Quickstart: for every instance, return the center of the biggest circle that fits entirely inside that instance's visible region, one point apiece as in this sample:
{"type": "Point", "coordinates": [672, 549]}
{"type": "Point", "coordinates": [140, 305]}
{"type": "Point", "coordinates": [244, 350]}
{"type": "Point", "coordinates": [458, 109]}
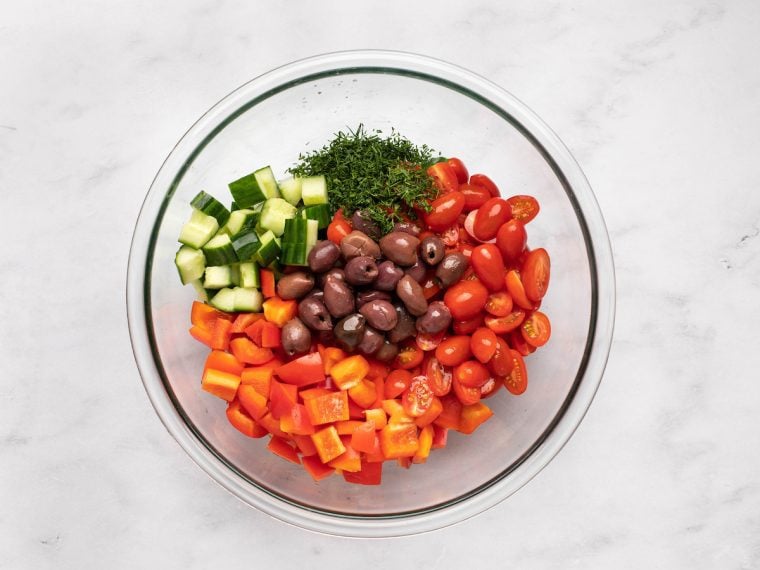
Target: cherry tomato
{"type": "Point", "coordinates": [450, 237]}
{"type": "Point", "coordinates": [445, 211]}
{"type": "Point", "coordinates": [483, 344]}
{"type": "Point", "coordinates": [453, 350]}
{"type": "Point", "coordinates": [465, 394]}
{"type": "Point", "coordinates": [471, 374]}
{"type": "Point", "coordinates": [499, 304]}
{"type": "Point", "coordinates": [517, 342]}
{"type": "Point", "coordinates": [468, 326]}
{"type": "Point", "coordinates": [465, 299]}
{"type": "Point", "coordinates": [491, 387]}
{"type": "Point", "coordinates": [474, 196]}
{"type": "Point", "coordinates": [536, 329]}
{"type": "Point", "coordinates": [396, 382]}
{"type": "Point", "coordinates": [502, 362]}
{"type": "Point", "coordinates": [466, 249]}
{"type": "Point", "coordinates": [439, 377]}
{"type": "Point", "coordinates": [485, 182]}
{"type": "Point", "coordinates": [408, 357]}
{"type": "Point", "coordinates": [429, 341]}
{"type": "Point", "coordinates": [516, 289]}
{"type": "Point", "coordinates": [430, 287]}
{"type": "Point", "coordinates": [445, 177]}
{"type": "Point", "coordinates": [418, 397]}
{"type": "Point", "coordinates": [503, 325]}
{"type": "Point", "coordinates": [488, 266]}
{"type": "Point", "coordinates": [535, 274]}
{"type": "Point", "coordinates": [511, 239]}
{"type": "Point", "coordinates": [517, 381]}
{"type": "Point", "coordinates": [524, 208]}
{"type": "Point", "coordinates": [459, 169]}
{"type": "Point", "coordinates": [489, 218]}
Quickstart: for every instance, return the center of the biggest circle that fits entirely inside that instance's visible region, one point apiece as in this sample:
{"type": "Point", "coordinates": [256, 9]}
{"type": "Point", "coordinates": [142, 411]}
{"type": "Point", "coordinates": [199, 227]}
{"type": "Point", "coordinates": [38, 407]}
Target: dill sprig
{"type": "Point", "coordinates": [384, 177]}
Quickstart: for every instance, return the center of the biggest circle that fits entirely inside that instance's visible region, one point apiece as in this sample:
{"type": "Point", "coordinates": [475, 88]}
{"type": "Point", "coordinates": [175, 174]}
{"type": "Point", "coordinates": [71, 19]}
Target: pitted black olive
{"type": "Point", "coordinates": [323, 256]}
{"type": "Point", "coordinates": [432, 250]}
{"type": "Point", "coordinates": [400, 248]}
{"type": "Point", "coordinates": [361, 270]}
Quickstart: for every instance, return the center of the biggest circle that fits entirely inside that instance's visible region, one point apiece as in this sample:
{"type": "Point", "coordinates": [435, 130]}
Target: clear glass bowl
{"type": "Point", "coordinates": [299, 107]}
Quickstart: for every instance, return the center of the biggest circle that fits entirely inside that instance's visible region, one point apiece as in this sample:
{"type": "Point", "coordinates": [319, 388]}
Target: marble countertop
{"type": "Point", "coordinates": [659, 102]}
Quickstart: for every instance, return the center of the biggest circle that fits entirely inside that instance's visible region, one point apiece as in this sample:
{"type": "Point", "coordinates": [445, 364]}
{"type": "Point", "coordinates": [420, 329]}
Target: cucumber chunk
{"type": "Point", "coordinates": [246, 191]}
{"type": "Point", "coordinates": [290, 188]}
{"type": "Point", "coordinates": [217, 277]}
{"type": "Point", "coordinates": [246, 245]}
{"type": "Point", "coordinates": [240, 221]}
{"type": "Point", "coordinates": [210, 206]}
{"type": "Point", "coordinates": [219, 251]}
{"type": "Point", "coordinates": [274, 213]}
{"type": "Point", "coordinates": [319, 212]}
{"type": "Point", "coordinates": [224, 300]}
{"type": "Point", "coordinates": [268, 250]}
{"type": "Point", "coordinates": [248, 299]}
{"type": "Point", "coordinates": [198, 230]}
{"type": "Point", "coordinates": [314, 190]}
{"type": "Point", "coordinates": [249, 274]}
{"type": "Point", "coordinates": [267, 182]}
{"type": "Point", "coordinates": [190, 263]}
{"type": "Point", "coordinates": [200, 290]}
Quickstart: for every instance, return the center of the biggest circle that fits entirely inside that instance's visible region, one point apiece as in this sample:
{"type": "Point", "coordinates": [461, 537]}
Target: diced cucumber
{"type": "Point", "coordinates": [274, 213]}
{"type": "Point", "coordinates": [219, 251]}
{"type": "Point", "coordinates": [246, 191]}
{"type": "Point", "coordinates": [210, 206]}
{"type": "Point", "coordinates": [314, 190]}
{"type": "Point", "coordinates": [246, 244]}
{"type": "Point", "coordinates": [224, 300]}
{"type": "Point", "coordinates": [198, 230]}
{"type": "Point", "coordinates": [249, 274]}
{"type": "Point", "coordinates": [248, 299]}
{"type": "Point", "coordinates": [200, 290]}
{"type": "Point", "coordinates": [218, 276]}
{"type": "Point", "coordinates": [235, 273]}
{"type": "Point", "coordinates": [293, 253]}
{"type": "Point", "coordinates": [312, 233]}
{"type": "Point", "coordinates": [234, 207]}
{"type": "Point", "coordinates": [295, 230]}
{"type": "Point", "coordinates": [267, 182]}
{"type": "Point", "coordinates": [290, 188]}
{"type": "Point", "coordinates": [240, 220]}
{"type": "Point", "coordinates": [190, 263]}
{"type": "Point", "coordinates": [268, 250]}
{"type": "Point", "coordinates": [319, 212]}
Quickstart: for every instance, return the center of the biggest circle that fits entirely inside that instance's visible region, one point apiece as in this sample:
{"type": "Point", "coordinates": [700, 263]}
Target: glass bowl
{"type": "Point", "coordinates": [296, 108]}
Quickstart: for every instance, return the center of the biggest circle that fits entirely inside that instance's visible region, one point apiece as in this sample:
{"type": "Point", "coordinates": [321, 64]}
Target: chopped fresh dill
{"type": "Point", "coordinates": [384, 177]}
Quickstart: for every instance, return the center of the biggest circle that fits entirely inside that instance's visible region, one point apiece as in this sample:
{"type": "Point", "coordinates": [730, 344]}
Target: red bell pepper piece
{"type": "Point", "coordinates": [224, 361]}
{"type": "Point", "coordinates": [363, 438]}
{"type": "Point", "coordinates": [254, 331]}
{"type": "Point", "coordinates": [296, 421]}
{"type": "Point", "coordinates": [328, 444]}
{"type": "Point", "coordinates": [282, 397]}
{"type": "Point", "coordinates": [305, 445]}
{"type": "Point", "coordinates": [280, 311]}
{"type": "Point", "coordinates": [221, 384]}
{"type": "Point", "coordinates": [281, 447]}
{"type": "Point", "coordinates": [316, 468]}
{"type": "Point", "coordinates": [246, 351]}
{"type": "Point", "coordinates": [349, 460]}
{"type": "Point", "coordinates": [472, 416]}
{"type": "Point", "coordinates": [202, 335]}
{"type": "Point", "coordinates": [329, 408]}
{"type": "Point", "coordinates": [204, 316]}
{"type": "Point", "coordinates": [242, 421]}
{"type": "Point", "coordinates": [302, 371]}
{"type": "Point", "coordinates": [244, 320]}
{"type": "Point", "coordinates": [220, 337]}
{"type": "Point", "coordinates": [270, 335]}
{"type": "Point", "coordinates": [370, 474]}
{"type": "Point", "coordinates": [267, 283]}
{"type": "Point", "coordinates": [364, 394]}
{"type": "Point", "coordinates": [440, 437]}
{"type": "Point", "coordinates": [259, 377]}
{"type": "Point", "coordinates": [253, 402]}
{"type": "Point", "coordinates": [399, 440]}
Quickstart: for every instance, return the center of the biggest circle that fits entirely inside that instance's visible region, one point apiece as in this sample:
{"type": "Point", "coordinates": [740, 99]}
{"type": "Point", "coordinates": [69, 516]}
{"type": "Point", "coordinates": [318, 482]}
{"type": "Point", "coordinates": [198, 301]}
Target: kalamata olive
{"type": "Point", "coordinates": [387, 276]}
{"type": "Point", "coordinates": [296, 337]}
{"type": "Point", "coordinates": [349, 331]}
{"type": "Point", "coordinates": [400, 248]}
{"type": "Point", "coordinates": [334, 273]}
{"type": "Point", "coordinates": [323, 256]}
{"type": "Point", "coordinates": [451, 268]}
{"type": "Point", "coordinates": [314, 314]}
{"type": "Point", "coordinates": [361, 270]}
{"type": "Point", "coordinates": [387, 352]}
{"type": "Point", "coordinates": [315, 294]}
{"type": "Point", "coordinates": [358, 243]}
{"type": "Point", "coordinates": [407, 227]}
{"type": "Point", "coordinates": [371, 295]}
{"type": "Point", "coordinates": [295, 285]}
{"type": "Point", "coordinates": [404, 327]}
{"type": "Point", "coordinates": [432, 250]}
{"type": "Point", "coordinates": [410, 292]}
{"type": "Point", "coordinates": [436, 318]}
{"type": "Point", "coordinates": [417, 271]}
{"type": "Point", "coordinates": [338, 298]}
{"type": "Point", "coordinates": [365, 224]}
{"type": "Point", "coordinates": [380, 314]}
{"type": "Point", "coordinates": [371, 341]}
{"type": "Point", "coordinates": [327, 338]}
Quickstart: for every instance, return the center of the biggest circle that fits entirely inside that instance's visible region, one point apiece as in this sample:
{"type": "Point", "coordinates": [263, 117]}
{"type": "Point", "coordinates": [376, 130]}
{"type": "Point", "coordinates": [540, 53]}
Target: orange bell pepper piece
{"type": "Point", "coordinates": [280, 311]}
{"type": "Point", "coordinates": [399, 440]}
{"type": "Point", "coordinates": [204, 316]}
{"type": "Point", "coordinates": [281, 447]}
{"type": "Point", "coordinates": [435, 409]}
{"type": "Point", "coordinates": [328, 444]}
{"type": "Point", "coordinates": [452, 409]}
{"type": "Point", "coordinates": [221, 384]}
{"type": "Point", "coordinates": [201, 334]}
{"type": "Point", "coordinates": [302, 371]}
{"type": "Point", "coordinates": [242, 421]}
{"type": "Point", "coordinates": [220, 337]}
{"type": "Point", "coordinates": [369, 474]}
{"type": "Point", "coordinates": [396, 412]}
{"type": "Point", "coordinates": [426, 443]}
{"type": "Point", "coordinates": [376, 416]}
{"type": "Point", "coordinates": [305, 445]}
{"type": "Point", "coordinates": [331, 356]}
{"type": "Point", "coordinates": [310, 393]}
{"type": "Point", "coordinates": [272, 425]}
{"type": "Point", "coordinates": [349, 460]}
{"type": "Point", "coordinates": [472, 416]}
{"type": "Point", "coordinates": [254, 331]}
{"type": "Point", "coordinates": [266, 276]}
{"type": "Point", "coordinates": [364, 393]}
{"type": "Point", "coordinates": [296, 421]}
{"type": "Point", "coordinates": [282, 397]}
{"type": "Point", "coordinates": [252, 401]}
{"type": "Point", "coordinates": [246, 351]}
{"type": "Point", "coordinates": [270, 335]}
{"type": "Point", "coordinates": [224, 361]}
{"type": "Point", "coordinates": [259, 377]}
{"type": "Point", "coordinates": [350, 371]}
{"type": "Point", "coordinates": [347, 427]}
{"type": "Point", "coordinates": [245, 320]}
{"type": "Point", "coordinates": [364, 436]}
{"type": "Point", "coordinates": [376, 455]}
{"type": "Point", "coordinates": [331, 407]}
{"type": "Point", "coordinates": [316, 468]}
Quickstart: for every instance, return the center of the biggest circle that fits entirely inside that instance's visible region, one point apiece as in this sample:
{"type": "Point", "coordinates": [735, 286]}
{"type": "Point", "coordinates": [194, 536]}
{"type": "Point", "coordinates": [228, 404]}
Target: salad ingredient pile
{"type": "Point", "coordinates": [362, 308]}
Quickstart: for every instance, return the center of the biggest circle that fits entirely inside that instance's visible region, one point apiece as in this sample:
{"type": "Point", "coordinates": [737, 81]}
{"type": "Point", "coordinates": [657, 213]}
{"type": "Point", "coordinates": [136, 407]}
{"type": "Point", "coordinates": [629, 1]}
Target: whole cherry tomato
{"type": "Point", "coordinates": [489, 218]}
{"type": "Point", "coordinates": [471, 374]}
{"type": "Point", "coordinates": [465, 299]}
{"type": "Point", "coordinates": [489, 266]}
{"type": "Point", "coordinates": [535, 274]}
{"type": "Point", "coordinates": [511, 239]}
{"type": "Point", "coordinates": [459, 169]}
{"type": "Point", "coordinates": [418, 397]}
{"type": "Point", "coordinates": [444, 176]}
{"type": "Point", "coordinates": [485, 182]}
{"type": "Point", "coordinates": [439, 377]}
{"type": "Point", "coordinates": [453, 350]}
{"type": "Point", "coordinates": [524, 208]}
{"type": "Point", "coordinates": [397, 381]}
{"type": "Point", "coordinates": [444, 211]}
{"type": "Point", "coordinates": [536, 329]}
{"type": "Point", "coordinates": [483, 344]}
{"type": "Point", "coordinates": [468, 326]}
{"type": "Point", "coordinates": [517, 381]}
{"type": "Point", "coordinates": [474, 196]}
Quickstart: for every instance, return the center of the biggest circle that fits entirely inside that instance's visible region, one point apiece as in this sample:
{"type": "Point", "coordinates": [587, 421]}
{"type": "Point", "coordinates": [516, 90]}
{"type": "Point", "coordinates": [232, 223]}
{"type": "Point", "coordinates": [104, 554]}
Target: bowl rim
{"type": "Point", "coordinates": [566, 169]}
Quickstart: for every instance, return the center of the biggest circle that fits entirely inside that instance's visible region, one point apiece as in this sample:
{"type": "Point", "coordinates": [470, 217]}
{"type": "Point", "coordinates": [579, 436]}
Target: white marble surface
{"type": "Point", "coordinates": [658, 100]}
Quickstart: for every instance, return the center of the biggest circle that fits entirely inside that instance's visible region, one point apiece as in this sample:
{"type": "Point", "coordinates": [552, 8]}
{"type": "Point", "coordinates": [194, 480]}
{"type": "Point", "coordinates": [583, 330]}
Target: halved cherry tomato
{"type": "Point", "coordinates": [511, 239]}
{"type": "Point", "coordinates": [418, 397]}
{"type": "Point", "coordinates": [503, 325]}
{"type": "Point", "coordinates": [453, 350]}
{"type": "Point", "coordinates": [471, 374]}
{"type": "Point", "coordinates": [450, 237]}
{"type": "Point", "coordinates": [489, 218]}
{"type": "Point", "coordinates": [409, 357]}
{"type": "Point", "coordinates": [485, 182]}
{"type": "Point", "coordinates": [466, 248]}
{"type": "Point", "coordinates": [444, 210]}
{"type": "Point", "coordinates": [502, 362]}
{"type": "Point", "coordinates": [491, 387]}
{"type": "Point", "coordinates": [459, 169]}
{"type": "Point", "coordinates": [483, 344]}
{"type": "Point", "coordinates": [468, 326]}
{"type": "Point", "coordinates": [474, 196]}
{"type": "Point", "coordinates": [535, 274]}
{"type": "Point", "coordinates": [429, 341]}
{"type": "Point", "coordinates": [516, 289]}
{"type": "Point", "coordinates": [517, 342]}
{"type": "Point", "coordinates": [517, 381]}
{"type": "Point", "coordinates": [524, 208]}
{"type": "Point", "coordinates": [465, 299]}
{"type": "Point", "coordinates": [489, 266]}
{"type": "Point", "coordinates": [445, 177]}
{"type": "Point", "coordinates": [397, 381]}
{"type": "Point", "coordinates": [499, 304]}
{"type": "Point", "coordinates": [439, 377]}
{"type": "Point", "coordinates": [465, 394]}
{"type": "Point", "coordinates": [536, 329]}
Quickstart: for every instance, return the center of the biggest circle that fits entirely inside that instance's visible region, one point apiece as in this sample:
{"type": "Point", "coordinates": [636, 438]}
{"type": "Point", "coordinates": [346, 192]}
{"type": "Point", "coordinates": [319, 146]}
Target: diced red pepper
{"type": "Point", "coordinates": [202, 335]}
{"type": "Point", "coordinates": [370, 474]}
{"type": "Point", "coordinates": [259, 377]}
{"type": "Point", "coordinates": [204, 316]}
{"type": "Point", "coordinates": [220, 337]}
{"type": "Point", "coordinates": [435, 409]}
{"type": "Point", "coordinates": [376, 416]}
{"type": "Point", "coordinates": [296, 421]}
{"type": "Point", "coordinates": [270, 335]}
{"type": "Point", "coordinates": [399, 440]}
{"type": "Point", "coordinates": [350, 371]}
{"type": "Point", "coordinates": [316, 468]}
{"type": "Point", "coordinates": [246, 351]}
{"type": "Point", "coordinates": [281, 447]}
{"type": "Point", "coordinates": [347, 427]}
{"type": "Point", "coordinates": [452, 409]}
{"type": "Point", "coordinates": [242, 421]}
{"type": "Point", "coordinates": [254, 331]}
{"type": "Point", "coordinates": [253, 402]}
{"type": "Point", "coordinates": [282, 397]}
{"type": "Point", "coordinates": [245, 320]}
{"type": "Point", "coordinates": [302, 371]}
{"type": "Point", "coordinates": [363, 438]}
{"type": "Point", "coordinates": [440, 436]}
{"type": "Point", "coordinates": [224, 361]}
{"type": "Point", "coordinates": [329, 408]}
{"type": "Point", "coordinates": [364, 393]}
{"type": "Point", "coordinates": [328, 444]}
{"type": "Point", "coordinates": [305, 445]}
{"type": "Point", "coordinates": [472, 416]}
{"type": "Point", "coordinates": [426, 443]}
{"type": "Point", "coordinates": [349, 460]}
{"type": "Point", "coordinates": [266, 277]}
